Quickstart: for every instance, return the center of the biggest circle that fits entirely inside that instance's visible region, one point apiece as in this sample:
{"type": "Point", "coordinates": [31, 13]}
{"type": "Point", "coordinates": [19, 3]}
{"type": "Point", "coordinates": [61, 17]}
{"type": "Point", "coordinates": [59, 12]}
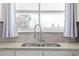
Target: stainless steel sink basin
{"type": "Point", "coordinates": [52, 45]}
{"type": "Point", "coordinates": [31, 45]}
{"type": "Point", "coordinates": [41, 45]}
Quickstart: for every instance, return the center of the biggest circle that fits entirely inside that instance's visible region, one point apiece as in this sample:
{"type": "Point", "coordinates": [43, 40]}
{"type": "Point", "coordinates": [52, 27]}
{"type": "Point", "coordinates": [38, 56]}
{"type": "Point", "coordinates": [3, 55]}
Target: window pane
{"type": "Point", "coordinates": [26, 6]}
{"type": "Point", "coordinates": [52, 22]}
{"type": "Point", "coordinates": [26, 21]}
{"type": "Point", "coordinates": [52, 6]}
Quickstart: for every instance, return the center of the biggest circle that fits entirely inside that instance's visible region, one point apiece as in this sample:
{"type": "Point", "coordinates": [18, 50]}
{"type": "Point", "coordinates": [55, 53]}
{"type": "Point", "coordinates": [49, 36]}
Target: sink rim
{"type": "Point", "coordinates": [40, 45]}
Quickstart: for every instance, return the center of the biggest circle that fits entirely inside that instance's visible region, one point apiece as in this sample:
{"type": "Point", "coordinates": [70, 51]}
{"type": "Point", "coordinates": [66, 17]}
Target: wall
{"type": "Point", "coordinates": [1, 29]}
{"type": "Point", "coordinates": [78, 11]}
{"type": "Point", "coordinates": [1, 24]}
{"type": "Point", "coordinates": [0, 11]}
{"type": "Point", "coordinates": [78, 18]}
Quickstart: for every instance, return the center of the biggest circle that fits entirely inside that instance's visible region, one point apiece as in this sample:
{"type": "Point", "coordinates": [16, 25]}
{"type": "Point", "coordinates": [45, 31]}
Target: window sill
{"type": "Point", "coordinates": [42, 32]}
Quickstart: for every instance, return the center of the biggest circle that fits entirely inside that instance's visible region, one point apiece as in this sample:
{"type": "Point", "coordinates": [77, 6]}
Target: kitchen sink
{"type": "Point", "coordinates": [31, 45]}
{"type": "Point", "coordinates": [41, 45]}
{"type": "Point", "coordinates": [52, 45]}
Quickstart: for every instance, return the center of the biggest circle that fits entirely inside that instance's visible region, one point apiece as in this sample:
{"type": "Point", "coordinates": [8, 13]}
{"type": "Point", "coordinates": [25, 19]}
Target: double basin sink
{"type": "Point", "coordinates": [41, 45]}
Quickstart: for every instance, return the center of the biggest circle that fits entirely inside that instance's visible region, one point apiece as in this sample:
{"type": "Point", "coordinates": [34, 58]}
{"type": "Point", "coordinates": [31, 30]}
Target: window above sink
{"type": "Point", "coordinates": [51, 16]}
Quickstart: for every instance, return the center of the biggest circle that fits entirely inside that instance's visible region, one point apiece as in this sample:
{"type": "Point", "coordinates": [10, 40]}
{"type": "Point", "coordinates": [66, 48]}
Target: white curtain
{"type": "Point", "coordinates": [70, 26]}
{"type": "Point", "coordinates": [9, 16]}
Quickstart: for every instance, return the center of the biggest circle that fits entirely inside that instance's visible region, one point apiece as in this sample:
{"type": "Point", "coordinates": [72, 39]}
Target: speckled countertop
{"type": "Point", "coordinates": [17, 45]}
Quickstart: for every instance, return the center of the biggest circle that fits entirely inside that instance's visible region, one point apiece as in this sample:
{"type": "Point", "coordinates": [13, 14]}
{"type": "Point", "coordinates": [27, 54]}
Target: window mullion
{"type": "Point", "coordinates": [39, 13]}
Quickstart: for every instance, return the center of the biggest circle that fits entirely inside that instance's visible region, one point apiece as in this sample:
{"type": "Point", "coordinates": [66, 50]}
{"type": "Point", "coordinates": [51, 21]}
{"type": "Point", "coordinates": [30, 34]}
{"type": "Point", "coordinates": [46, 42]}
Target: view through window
{"type": "Point", "coordinates": [51, 16]}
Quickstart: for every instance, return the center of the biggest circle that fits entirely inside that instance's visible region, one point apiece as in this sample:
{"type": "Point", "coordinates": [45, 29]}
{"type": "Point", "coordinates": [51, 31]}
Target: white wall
{"type": "Point", "coordinates": [0, 11]}
{"type": "Point", "coordinates": [78, 12]}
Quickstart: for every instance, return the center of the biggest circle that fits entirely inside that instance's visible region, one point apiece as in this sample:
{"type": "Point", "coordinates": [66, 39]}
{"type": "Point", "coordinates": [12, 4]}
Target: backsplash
{"type": "Point", "coordinates": [29, 37]}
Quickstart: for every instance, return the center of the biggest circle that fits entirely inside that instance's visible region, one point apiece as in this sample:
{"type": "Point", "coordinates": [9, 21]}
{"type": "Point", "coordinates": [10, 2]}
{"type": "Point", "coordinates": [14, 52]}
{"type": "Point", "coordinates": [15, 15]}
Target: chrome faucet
{"type": "Point", "coordinates": [38, 25]}
{"type": "Point", "coordinates": [35, 35]}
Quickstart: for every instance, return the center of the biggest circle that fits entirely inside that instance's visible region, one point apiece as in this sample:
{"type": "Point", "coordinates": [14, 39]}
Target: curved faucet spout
{"type": "Point", "coordinates": [38, 25]}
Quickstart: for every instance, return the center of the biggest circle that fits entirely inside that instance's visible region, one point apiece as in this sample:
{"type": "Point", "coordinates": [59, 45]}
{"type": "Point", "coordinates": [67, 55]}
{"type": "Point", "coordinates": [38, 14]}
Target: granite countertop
{"type": "Point", "coordinates": [17, 45]}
